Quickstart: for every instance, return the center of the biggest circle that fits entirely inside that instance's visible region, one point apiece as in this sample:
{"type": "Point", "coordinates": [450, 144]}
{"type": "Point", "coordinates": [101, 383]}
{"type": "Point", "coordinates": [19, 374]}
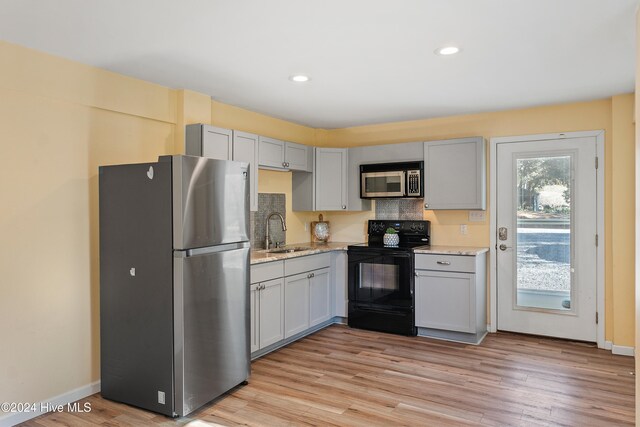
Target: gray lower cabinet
{"type": "Point", "coordinates": [307, 301]}
{"type": "Point", "coordinates": [267, 304]}
{"type": "Point", "coordinates": [455, 174]}
{"type": "Point", "coordinates": [288, 298]}
{"type": "Point", "coordinates": [450, 296]}
{"type": "Point", "coordinates": [255, 317]}
{"type": "Point", "coordinates": [446, 301]}
{"type": "Point", "coordinates": [296, 304]}
{"type": "Point", "coordinates": [319, 297]}
{"type": "Point", "coordinates": [267, 320]}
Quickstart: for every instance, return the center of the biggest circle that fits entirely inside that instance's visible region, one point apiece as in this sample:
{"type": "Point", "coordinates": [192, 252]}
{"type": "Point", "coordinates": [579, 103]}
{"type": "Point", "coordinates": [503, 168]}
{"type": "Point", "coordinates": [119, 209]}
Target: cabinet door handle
{"type": "Point", "coordinates": [344, 206]}
{"type": "Point", "coordinates": [443, 262]}
{"type": "Point", "coordinates": [313, 274]}
{"type": "Point", "coordinates": [309, 276]}
{"type": "Point", "coordinates": [426, 205]}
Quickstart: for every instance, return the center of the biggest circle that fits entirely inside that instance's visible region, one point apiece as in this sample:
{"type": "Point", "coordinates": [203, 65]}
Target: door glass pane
{"type": "Point", "coordinates": [544, 229]}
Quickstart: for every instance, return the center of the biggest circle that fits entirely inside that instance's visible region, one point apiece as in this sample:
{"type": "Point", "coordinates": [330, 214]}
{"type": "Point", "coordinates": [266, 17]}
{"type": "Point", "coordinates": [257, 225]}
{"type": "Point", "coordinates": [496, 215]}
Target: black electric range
{"type": "Point", "coordinates": [382, 278]}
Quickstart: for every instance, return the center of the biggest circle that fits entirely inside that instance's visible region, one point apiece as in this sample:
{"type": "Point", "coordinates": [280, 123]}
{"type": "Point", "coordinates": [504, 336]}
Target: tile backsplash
{"type": "Point", "coordinates": [399, 209]}
{"type": "Point", "coordinates": [267, 204]}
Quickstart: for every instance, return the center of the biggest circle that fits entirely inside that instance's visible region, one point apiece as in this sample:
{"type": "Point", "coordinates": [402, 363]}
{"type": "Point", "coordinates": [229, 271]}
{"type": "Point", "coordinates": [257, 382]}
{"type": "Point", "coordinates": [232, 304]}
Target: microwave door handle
{"type": "Point", "coordinates": [403, 183]}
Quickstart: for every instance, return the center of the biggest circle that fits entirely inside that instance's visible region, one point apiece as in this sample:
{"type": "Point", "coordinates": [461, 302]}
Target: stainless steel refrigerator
{"type": "Point", "coordinates": [174, 282]}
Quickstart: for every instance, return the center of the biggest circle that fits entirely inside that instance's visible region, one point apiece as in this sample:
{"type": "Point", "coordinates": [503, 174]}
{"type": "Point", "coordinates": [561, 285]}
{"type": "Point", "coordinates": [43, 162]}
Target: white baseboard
{"type": "Point", "coordinates": [623, 350]}
{"type": "Point", "coordinates": [11, 419]}
{"type": "Point", "coordinates": [608, 345]}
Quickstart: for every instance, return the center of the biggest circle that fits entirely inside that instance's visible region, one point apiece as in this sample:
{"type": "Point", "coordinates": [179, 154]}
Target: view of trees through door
{"type": "Point", "coordinates": [544, 232]}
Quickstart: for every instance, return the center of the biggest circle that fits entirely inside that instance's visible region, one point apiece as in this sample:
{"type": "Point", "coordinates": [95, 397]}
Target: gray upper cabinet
{"type": "Point", "coordinates": [209, 141]}
{"type": "Point", "coordinates": [357, 156]}
{"type": "Point", "coordinates": [226, 144]}
{"type": "Point", "coordinates": [455, 174]}
{"type": "Point", "coordinates": [324, 189]}
{"type": "Point", "coordinates": [245, 149]}
{"type": "Point", "coordinates": [271, 153]}
{"type": "Point", "coordinates": [389, 153]}
{"type": "Point", "coordinates": [331, 179]}
{"type": "Point", "coordinates": [296, 156]}
{"type": "Point", "coordinates": [282, 155]}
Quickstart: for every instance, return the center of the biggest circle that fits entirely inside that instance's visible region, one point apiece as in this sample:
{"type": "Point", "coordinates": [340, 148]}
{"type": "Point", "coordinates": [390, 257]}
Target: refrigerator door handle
{"type": "Point", "coordinates": [210, 249]}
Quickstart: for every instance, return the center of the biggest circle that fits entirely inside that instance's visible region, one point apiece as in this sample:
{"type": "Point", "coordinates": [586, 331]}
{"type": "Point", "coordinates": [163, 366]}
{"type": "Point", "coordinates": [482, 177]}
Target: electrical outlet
{"type": "Point", "coordinates": [477, 216]}
{"type": "Point", "coordinates": [161, 397]}
{"type": "Point", "coordinates": [463, 229]}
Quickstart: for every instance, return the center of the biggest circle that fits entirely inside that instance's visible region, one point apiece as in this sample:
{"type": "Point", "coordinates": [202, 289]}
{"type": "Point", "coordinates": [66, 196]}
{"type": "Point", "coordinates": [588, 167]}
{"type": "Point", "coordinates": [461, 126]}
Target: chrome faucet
{"type": "Point", "coordinates": [267, 241]}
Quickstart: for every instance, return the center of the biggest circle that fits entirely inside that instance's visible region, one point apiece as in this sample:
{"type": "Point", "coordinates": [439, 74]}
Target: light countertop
{"type": "Point", "coordinates": [259, 256]}
{"type": "Point", "coordinates": [451, 250]}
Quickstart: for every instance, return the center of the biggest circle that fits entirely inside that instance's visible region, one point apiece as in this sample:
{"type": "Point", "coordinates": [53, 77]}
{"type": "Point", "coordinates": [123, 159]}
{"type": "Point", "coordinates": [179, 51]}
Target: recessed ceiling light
{"type": "Point", "coordinates": [447, 50]}
{"type": "Point", "coordinates": [299, 78]}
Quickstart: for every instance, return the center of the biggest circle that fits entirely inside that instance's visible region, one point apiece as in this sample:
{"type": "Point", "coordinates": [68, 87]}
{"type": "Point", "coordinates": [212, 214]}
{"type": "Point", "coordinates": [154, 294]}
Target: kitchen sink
{"type": "Point", "coordinates": [287, 250]}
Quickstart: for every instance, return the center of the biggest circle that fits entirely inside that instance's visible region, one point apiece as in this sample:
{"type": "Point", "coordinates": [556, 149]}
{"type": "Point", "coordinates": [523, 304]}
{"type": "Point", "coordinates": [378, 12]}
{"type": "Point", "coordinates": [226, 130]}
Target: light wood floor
{"type": "Point", "coordinates": [347, 377]}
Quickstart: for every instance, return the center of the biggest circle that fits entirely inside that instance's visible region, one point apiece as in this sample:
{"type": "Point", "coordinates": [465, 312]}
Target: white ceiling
{"type": "Point", "coordinates": [370, 61]}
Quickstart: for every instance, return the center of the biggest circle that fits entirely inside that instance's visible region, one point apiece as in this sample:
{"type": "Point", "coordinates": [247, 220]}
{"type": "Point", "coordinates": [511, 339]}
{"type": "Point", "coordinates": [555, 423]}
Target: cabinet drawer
{"type": "Point", "coordinates": [462, 263]}
{"type": "Point", "coordinates": [306, 263]}
{"type": "Point", "coordinates": [266, 271]}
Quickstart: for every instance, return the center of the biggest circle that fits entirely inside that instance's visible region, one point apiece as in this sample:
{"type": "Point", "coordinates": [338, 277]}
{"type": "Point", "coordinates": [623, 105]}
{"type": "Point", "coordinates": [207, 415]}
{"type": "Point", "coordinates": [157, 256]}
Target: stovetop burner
{"type": "Point", "coordinates": [413, 233]}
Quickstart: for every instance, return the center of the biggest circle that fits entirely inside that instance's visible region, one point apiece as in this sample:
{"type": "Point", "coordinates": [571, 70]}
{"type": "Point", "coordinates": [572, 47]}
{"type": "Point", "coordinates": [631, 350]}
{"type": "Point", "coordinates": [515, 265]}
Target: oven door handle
{"type": "Point", "coordinates": [379, 310]}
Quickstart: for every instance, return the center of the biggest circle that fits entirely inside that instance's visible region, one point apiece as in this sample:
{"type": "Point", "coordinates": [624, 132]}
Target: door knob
{"type": "Point", "coordinates": [503, 247]}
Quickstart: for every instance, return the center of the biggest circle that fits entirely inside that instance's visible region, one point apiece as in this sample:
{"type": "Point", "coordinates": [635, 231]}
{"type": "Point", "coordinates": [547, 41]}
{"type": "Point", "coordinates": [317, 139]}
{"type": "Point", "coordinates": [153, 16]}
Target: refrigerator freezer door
{"type": "Point", "coordinates": [211, 340]}
{"type": "Point", "coordinates": [136, 285]}
{"type": "Point", "coordinates": [210, 202]}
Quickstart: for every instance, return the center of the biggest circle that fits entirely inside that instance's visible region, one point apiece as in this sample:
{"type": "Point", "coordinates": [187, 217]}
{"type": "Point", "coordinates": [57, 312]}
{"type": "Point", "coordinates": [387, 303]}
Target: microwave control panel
{"type": "Point", "coordinates": [413, 183]}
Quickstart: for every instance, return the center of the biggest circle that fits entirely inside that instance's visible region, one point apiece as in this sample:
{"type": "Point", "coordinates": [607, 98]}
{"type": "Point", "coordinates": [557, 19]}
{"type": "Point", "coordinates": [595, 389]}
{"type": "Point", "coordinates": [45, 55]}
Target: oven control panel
{"type": "Point", "coordinates": [403, 227]}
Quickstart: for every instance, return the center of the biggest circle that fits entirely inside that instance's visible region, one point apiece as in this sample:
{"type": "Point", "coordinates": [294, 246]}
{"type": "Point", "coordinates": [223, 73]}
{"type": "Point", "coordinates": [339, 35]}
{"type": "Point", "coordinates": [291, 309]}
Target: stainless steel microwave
{"type": "Point", "coordinates": [391, 180]}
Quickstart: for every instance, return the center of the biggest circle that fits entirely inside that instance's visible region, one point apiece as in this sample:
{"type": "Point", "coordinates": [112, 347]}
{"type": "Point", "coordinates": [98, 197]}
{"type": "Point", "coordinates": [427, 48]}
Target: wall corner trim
{"type": "Point", "coordinates": [12, 419]}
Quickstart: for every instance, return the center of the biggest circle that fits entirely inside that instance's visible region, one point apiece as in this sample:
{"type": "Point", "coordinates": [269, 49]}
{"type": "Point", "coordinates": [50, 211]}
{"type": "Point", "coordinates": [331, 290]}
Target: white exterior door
{"type": "Point", "coordinates": [546, 225]}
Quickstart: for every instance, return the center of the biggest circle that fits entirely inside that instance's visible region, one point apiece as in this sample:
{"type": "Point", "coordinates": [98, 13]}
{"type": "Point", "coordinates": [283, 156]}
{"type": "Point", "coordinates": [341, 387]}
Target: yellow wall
{"type": "Point", "coordinates": [622, 220]}
{"type": "Point", "coordinates": [637, 211]}
{"type": "Point", "coordinates": [248, 121]}
{"type": "Point", "coordinates": [59, 120]}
